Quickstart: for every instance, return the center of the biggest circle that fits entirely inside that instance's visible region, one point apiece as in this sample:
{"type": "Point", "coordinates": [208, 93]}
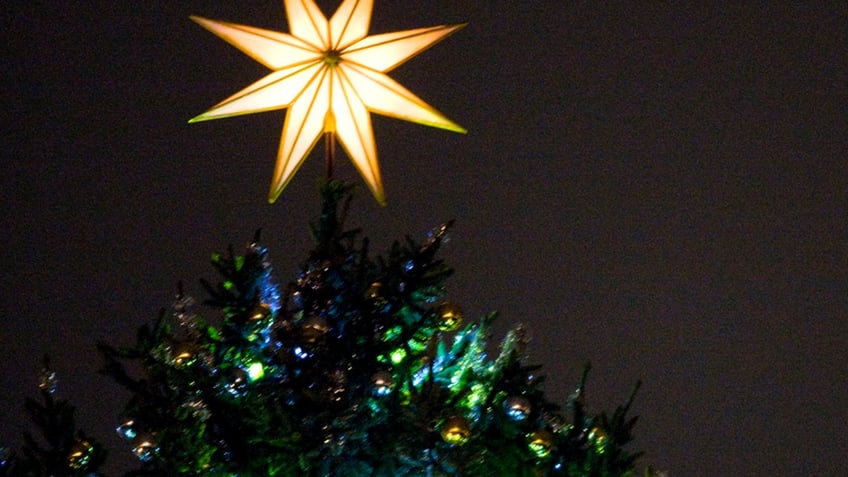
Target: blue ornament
{"type": "Point", "coordinates": [126, 430]}
{"type": "Point", "coordinates": [47, 381]}
{"type": "Point", "coordinates": [5, 456]}
{"type": "Point", "coordinates": [237, 382]}
{"type": "Point", "coordinates": [383, 383]}
{"type": "Point", "coordinates": [517, 408]}
{"type": "Point", "coordinates": [145, 447]}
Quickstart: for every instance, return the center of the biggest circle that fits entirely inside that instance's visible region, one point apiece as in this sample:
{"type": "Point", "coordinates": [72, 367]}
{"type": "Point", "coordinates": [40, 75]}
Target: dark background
{"type": "Point", "coordinates": [658, 190]}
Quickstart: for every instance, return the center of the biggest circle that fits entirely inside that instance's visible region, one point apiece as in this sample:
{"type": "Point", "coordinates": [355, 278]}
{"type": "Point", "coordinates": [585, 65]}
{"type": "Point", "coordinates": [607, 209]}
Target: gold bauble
{"type": "Point", "coordinates": [183, 354]}
{"type": "Point", "coordinates": [373, 291]}
{"type": "Point", "coordinates": [314, 328]}
{"type": "Point", "coordinates": [374, 295]}
{"type": "Point", "coordinates": [456, 430]}
{"type": "Point", "coordinates": [598, 436]}
{"type": "Point", "coordinates": [450, 316]}
{"type": "Point", "coordinates": [260, 312]}
{"type": "Point", "coordinates": [80, 454]}
{"type": "Point", "coordinates": [541, 442]}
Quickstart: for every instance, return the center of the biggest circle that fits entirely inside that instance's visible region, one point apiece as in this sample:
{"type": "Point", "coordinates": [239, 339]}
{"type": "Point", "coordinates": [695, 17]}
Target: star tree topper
{"type": "Point", "coordinates": [329, 75]}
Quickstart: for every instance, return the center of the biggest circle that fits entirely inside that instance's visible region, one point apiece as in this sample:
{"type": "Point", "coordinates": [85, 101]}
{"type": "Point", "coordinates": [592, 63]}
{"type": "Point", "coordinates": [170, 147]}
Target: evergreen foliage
{"type": "Point", "coordinates": [358, 367]}
{"type": "Point", "coordinates": [61, 450]}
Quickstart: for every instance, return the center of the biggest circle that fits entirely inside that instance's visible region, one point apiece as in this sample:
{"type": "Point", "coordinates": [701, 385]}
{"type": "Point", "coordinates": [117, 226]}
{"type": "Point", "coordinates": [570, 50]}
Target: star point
{"type": "Point", "coordinates": [329, 75]}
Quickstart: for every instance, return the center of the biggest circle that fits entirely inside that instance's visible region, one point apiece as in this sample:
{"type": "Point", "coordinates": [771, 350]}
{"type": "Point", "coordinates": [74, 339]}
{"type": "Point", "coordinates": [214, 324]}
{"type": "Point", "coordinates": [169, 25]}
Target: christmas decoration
{"type": "Point", "coordinates": [5, 456]}
{"type": "Point", "coordinates": [127, 430]}
{"type": "Point", "coordinates": [541, 442]}
{"type": "Point", "coordinates": [456, 431]}
{"type": "Point", "coordinates": [450, 316]}
{"type": "Point", "coordinates": [183, 354]}
{"type": "Point", "coordinates": [383, 383]}
{"type": "Point", "coordinates": [330, 76]}
{"type": "Point", "coordinates": [518, 408]}
{"type": "Point", "coordinates": [598, 437]}
{"type": "Point", "coordinates": [47, 380]}
{"type": "Point", "coordinates": [80, 455]}
{"type": "Point", "coordinates": [261, 312]}
{"type": "Point", "coordinates": [313, 329]}
{"type": "Point", "coordinates": [144, 447]}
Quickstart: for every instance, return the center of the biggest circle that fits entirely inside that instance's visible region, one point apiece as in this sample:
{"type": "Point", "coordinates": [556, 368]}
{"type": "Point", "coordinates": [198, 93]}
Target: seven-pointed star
{"type": "Point", "coordinates": [329, 76]}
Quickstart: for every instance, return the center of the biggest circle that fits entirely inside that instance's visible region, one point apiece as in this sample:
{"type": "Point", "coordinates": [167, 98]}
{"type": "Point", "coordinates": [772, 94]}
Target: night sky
{"type": "Point", "coordinates": [662, 191]}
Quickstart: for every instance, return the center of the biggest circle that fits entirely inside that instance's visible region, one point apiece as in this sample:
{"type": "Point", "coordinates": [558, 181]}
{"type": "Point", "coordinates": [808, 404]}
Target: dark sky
{"type": "Point", "coordinates": [662, 191]}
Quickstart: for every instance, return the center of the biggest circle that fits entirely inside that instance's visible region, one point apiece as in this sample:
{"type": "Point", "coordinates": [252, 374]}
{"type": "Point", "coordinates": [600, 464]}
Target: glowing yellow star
{"type": "Point", "coordinates": [330, 76]}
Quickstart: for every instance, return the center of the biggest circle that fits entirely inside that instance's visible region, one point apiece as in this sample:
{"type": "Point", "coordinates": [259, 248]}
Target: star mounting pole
{"type": "Point", "coordinates": [330, 152]}
{"type": "Point", "coordinates": [329, 144]}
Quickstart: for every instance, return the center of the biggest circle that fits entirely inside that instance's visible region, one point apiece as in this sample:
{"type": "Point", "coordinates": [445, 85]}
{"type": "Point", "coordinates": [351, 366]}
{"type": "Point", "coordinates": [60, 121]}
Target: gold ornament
{"type": "Point", "coordinates": [541, 442]}
{"type": "Point", "coordinates": [373, 292]}
{"type": "Point", "coordinates": [314, 328]}
{"type": "Point", "coordinates": [260, 312]}
{"type": "Point", "coordinates": [80, 454]}
{"type": "Point", "coordinates": [374, 295]}
{"type": "Point", "coordinates": [450, 316]}
{"type": "Point", "coordinates": [330, 76]}
{"type": "Point", "coordinates": [598, 436]}
{"type": "Point", "coordinates": [183, 354]}
{"type": "Point", "coordinates": [456, 430]}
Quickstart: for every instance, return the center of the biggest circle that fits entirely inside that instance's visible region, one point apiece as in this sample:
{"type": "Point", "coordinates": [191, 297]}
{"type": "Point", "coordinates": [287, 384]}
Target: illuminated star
{"type": "Point", "coordinates": [329, 75]}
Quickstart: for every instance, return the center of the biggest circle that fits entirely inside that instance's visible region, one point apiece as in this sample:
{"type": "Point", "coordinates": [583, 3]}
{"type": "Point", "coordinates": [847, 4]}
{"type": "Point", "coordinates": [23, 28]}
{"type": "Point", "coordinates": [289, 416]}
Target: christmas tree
{"type": "Point", "coordinates": [360, 366]}
{"type": "Point", "coordinates": [62, 449]}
